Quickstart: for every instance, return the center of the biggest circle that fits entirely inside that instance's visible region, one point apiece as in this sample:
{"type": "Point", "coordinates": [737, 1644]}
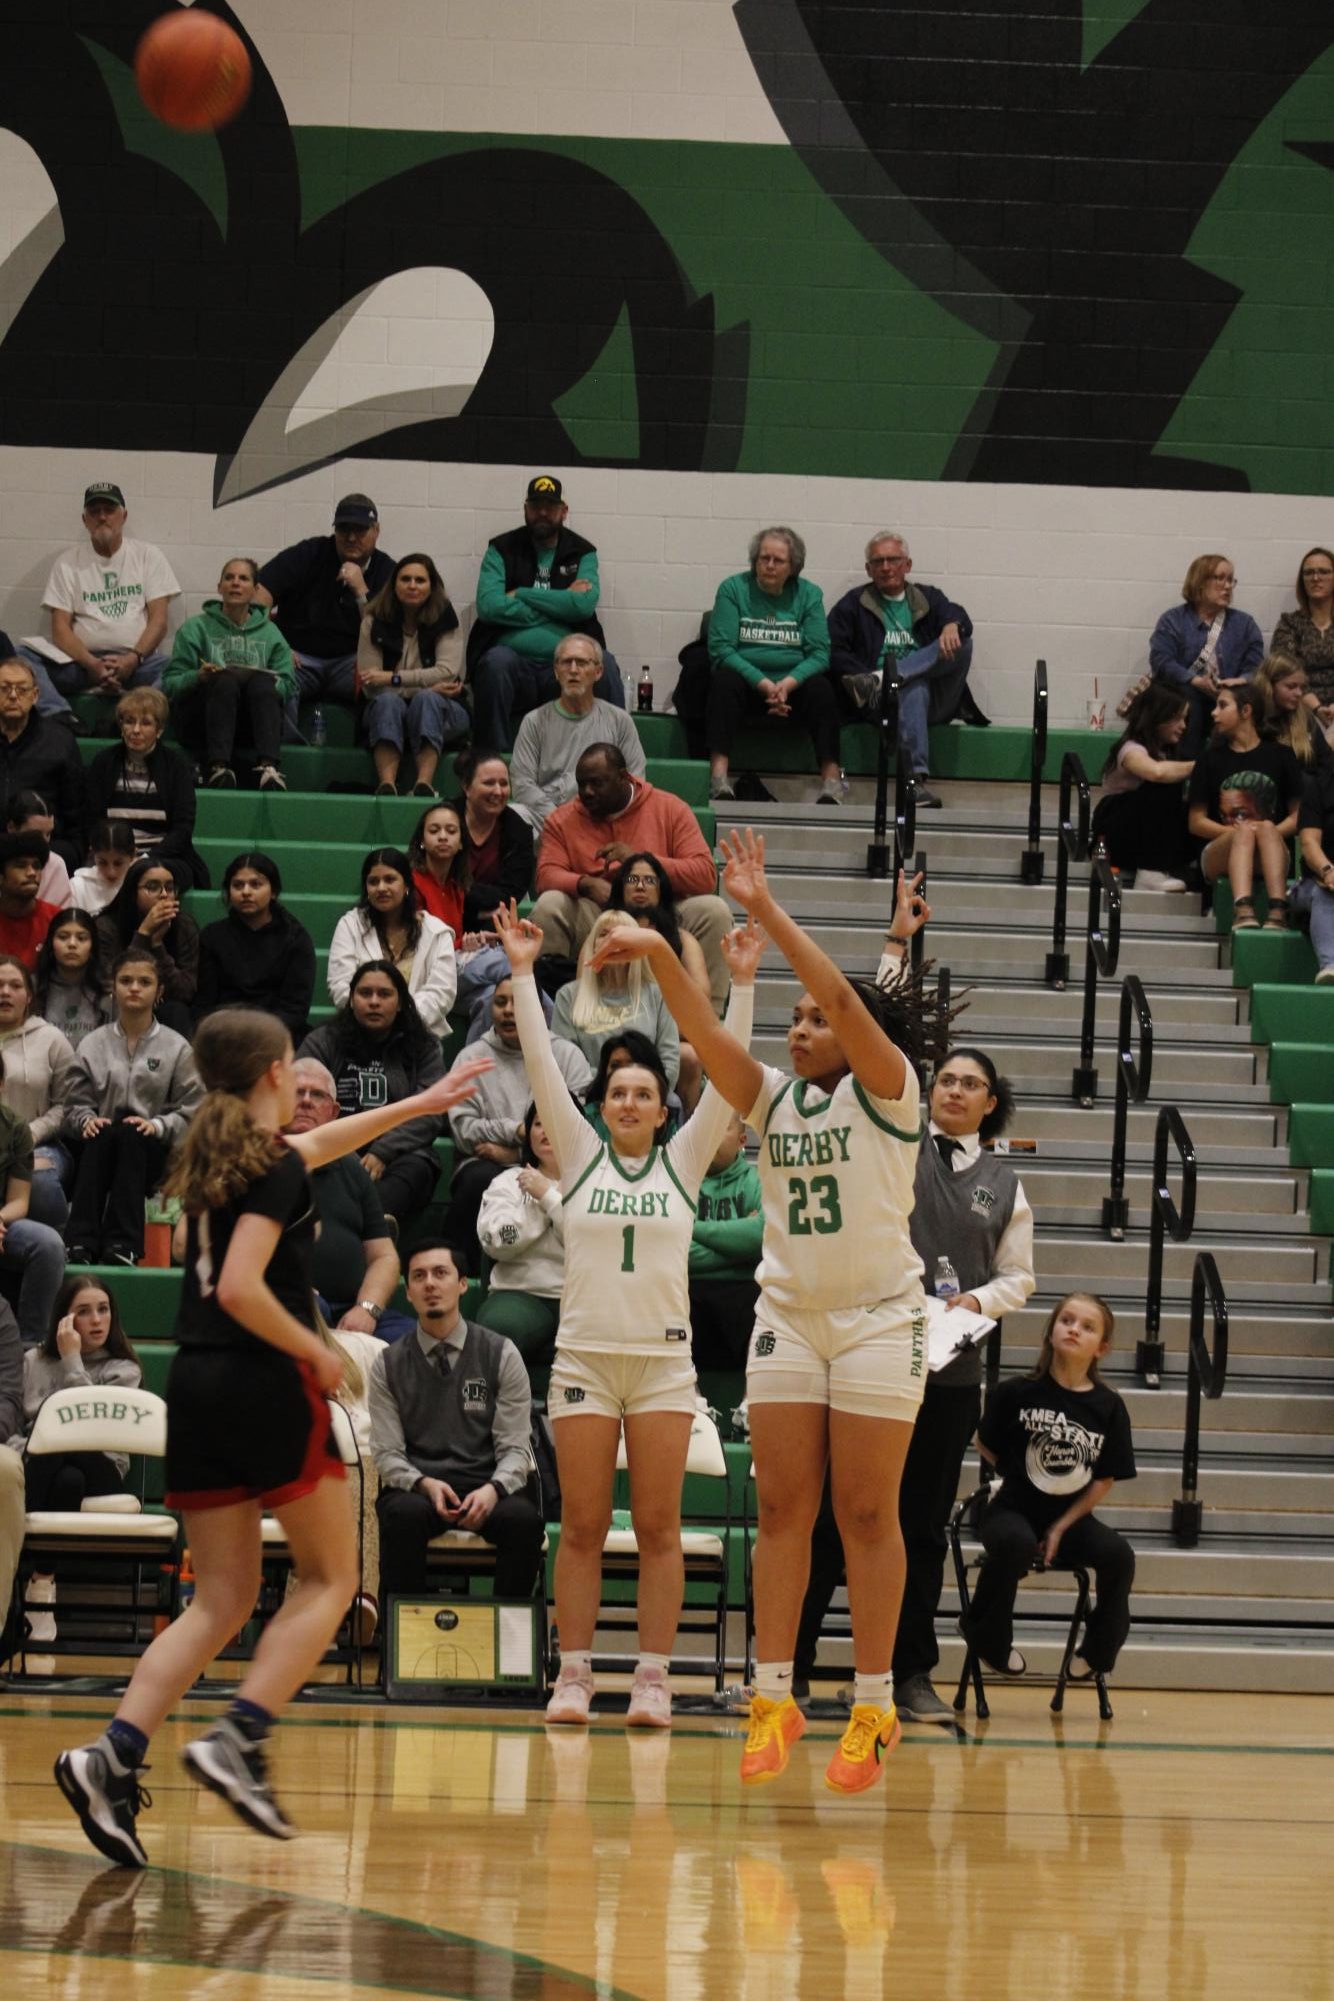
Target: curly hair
{"type": "Point", "coordinates": [913, 1010]}
{"type": "Point", "coordinates": [998, 1087]}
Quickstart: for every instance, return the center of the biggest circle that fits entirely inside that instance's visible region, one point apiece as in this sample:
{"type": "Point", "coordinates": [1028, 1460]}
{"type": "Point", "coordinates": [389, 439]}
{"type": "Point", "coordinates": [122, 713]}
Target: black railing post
{"type": "Point", "coordinates": [1133, 1079]}
{"type": "Point", "coordinates": [1206, 1374]}
{"type": "Point", "coordinates": [1072, 843]}
{"type": "Point", "coordinates": [1166, 1219]}
{"type": "Point", "coordinates": [917, 950]}
{"type": "Point", "coordinates": [1101, 954]}
{"type": "Point", "coordinates": [1031, 862]}
{"type": "Point", "coordinates": [878, 860]}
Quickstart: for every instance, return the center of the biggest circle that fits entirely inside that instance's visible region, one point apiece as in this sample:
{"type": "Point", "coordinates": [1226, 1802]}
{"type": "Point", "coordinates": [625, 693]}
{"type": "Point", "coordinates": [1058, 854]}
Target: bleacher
{"type": "Point", "coordinates": [1251, 1608]}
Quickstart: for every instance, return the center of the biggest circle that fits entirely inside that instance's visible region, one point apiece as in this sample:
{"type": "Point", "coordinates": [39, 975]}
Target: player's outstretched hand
{"type": "Point", "coordinates": [521, 938]}
{"type": "Point", "coordinates": [911, 909]}
{"type": "Point", "coordinates": [624, 943]}
{"type": "Point", "coordinates": [743, 872]}
{"type": "Point", "coordinates": [743, 947]}
{"type": "Point", "coordinates": [456, 1085]}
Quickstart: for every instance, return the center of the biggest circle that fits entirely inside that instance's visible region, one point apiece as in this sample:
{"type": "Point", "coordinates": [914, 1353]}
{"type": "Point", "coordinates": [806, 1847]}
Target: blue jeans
{"type": "Point", "coordinates": [1319, 904]}
{"type": "Point", "coordinates": [917, 671]}
{"type": "Point", "coordinates": [506, 687]}
{"type": "Point", "coordinates": [55, 683]}
{"type": "Point", "coordinates": [421, 718]}
{"type": "Point", "coordinates": [37, 1253]}
{"type": "Point", "coordinates": [52, 1170]}
{"type": "Point", "coordinates": [318, 681]}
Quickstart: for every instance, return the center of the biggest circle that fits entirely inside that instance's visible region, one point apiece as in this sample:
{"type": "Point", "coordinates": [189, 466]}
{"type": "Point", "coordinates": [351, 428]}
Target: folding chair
{"type": "Point", "coordinates": [276, 1551]}
{"type": "Point", "coordinates": [704, 1551]}
{"type": "Point", "coordinates": [110, 1528]}
{"type": "Point", "coordinates": [966, 1513]}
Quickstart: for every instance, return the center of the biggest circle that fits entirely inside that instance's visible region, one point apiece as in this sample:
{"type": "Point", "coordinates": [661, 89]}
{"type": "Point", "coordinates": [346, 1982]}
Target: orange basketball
{"type": "Point", "coordinates": [193, 71]}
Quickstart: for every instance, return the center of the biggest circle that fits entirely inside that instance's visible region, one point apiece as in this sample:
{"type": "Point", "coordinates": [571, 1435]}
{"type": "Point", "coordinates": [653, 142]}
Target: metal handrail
{"type": "Point", "coordinates": [917, 949]}
{"type": "Point", "coordinates": [888, 749]}
{"type": "Point", "coordinates": [1031, 862]}
{"type": "Point", "coordinates": [1134, 1076]}
{"type": "Point", "coordinates": [1167, 1218]}
{"type": "Point", "coordinates": [1072, 844]}
{"type": "Point", "coordinates": [1206, 1376]}
{"type": "Point", "coordinates": [1101, 955]}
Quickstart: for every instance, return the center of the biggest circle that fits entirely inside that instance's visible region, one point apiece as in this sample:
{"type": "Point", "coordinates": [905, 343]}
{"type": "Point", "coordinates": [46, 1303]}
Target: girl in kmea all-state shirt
{"type": "Point", "coordinates": [1059, 1439]}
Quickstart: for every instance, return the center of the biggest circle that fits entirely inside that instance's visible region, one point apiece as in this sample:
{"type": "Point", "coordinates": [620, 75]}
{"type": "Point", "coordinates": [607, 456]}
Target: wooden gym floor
{"type": "Point", "coordinates": [1184, 1850]}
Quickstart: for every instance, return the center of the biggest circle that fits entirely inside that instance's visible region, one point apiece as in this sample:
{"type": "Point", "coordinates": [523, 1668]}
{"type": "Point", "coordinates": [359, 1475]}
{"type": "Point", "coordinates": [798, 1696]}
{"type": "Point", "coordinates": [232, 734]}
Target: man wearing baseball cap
{"type": "Point", "coordinates": [108, 599]}
{"type": "Point", "coordinates": [538, 584]}
{"type": "Point", "coordinates": [319, 589]}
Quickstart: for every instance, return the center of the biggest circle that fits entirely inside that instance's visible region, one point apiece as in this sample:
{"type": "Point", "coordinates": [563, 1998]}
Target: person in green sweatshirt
{"type": "Point", "coordinates": [769, 649]}
{"type": "Point", "coordinates": [231, 664]}
{"type": "Point", "coordinates": [724, 1252]}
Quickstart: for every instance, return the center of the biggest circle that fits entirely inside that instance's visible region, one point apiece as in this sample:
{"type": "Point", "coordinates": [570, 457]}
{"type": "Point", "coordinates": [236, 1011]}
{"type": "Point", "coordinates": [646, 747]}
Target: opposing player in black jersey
{"type": "Point", "coordinates": [248, 1428]}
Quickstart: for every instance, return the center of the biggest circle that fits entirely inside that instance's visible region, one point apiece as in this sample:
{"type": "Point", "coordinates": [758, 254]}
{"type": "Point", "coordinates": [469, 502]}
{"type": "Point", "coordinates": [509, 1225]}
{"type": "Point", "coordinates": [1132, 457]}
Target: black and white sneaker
{"type": "Point", "coordinates": [236, 1770]}
{"type": "Point", "coordinates": [107, 1801]}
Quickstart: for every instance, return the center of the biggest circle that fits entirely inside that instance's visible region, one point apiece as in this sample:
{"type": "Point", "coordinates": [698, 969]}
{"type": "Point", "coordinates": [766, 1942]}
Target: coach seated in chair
{"type": "Point", "coordinates": [915, 631]}
{"type": "Point", "coordinates": [450, 1419]}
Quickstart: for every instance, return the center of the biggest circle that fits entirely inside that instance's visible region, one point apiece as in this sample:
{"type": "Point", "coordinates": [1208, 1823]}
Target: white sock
{"type": "Point", "coordinates": [573, 1661]}
{"type": "Point", "coordinates": [873, 1689]}
{"type": "Point", "coordinates": [773, 1680]}
{"type": "Point", "coordinates": [662, 1661]}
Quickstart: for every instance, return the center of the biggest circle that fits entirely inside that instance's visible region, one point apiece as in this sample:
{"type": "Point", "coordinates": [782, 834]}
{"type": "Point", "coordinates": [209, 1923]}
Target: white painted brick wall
{"type": "Point", "coordinates": [1076, 575]}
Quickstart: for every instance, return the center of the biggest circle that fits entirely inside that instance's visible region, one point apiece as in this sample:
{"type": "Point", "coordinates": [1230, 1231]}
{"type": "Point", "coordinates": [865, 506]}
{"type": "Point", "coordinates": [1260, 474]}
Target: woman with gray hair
{"type": "Point", "coordinates": [769, 651]}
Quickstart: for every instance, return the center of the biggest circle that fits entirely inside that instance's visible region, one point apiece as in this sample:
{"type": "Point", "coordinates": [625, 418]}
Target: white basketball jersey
{"type": "Point", "coordinates": [627, 1244]}
{"type": "Point", "coordinates": [837, 1175]}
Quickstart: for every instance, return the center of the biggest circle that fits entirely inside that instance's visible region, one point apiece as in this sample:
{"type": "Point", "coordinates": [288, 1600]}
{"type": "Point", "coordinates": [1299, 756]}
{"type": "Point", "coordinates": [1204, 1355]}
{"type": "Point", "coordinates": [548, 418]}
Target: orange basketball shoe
{"type": "Point", "coordinates": [869, 1738]}
{"type": "Point", "coordinates": [774, 1728]}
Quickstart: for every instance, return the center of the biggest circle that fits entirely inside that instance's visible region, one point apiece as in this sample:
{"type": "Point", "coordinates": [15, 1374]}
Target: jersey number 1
{"type": "Point", "coordinates": [829, 1217]}
{"type": "Point", "coordinates": [628, 1247]}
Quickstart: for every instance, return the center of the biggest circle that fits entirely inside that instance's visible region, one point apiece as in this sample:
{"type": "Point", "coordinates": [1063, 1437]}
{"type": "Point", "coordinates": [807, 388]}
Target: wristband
{"type": "Point", "coordinates": [369, 1306]}
{"type": "Point", "coordinates": [891, 939]}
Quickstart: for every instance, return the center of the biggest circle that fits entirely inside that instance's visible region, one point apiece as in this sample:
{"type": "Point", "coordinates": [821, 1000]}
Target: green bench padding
{"type": "Point", "coordinates": [1300, 1072]}
{"type": "Point", "coordinates": [999, 753]}
{"type": "Point", "coordinates": [1273, 958]}
{"type": "Point", "coordinates": [1292, 1013]}
{"type": "Point", "coordinates": [1311, 1134]}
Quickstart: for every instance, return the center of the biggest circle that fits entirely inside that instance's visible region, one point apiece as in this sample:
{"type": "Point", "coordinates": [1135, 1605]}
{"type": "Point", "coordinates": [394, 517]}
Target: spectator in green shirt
{"type": "Point", "coordinates": [769, 650]}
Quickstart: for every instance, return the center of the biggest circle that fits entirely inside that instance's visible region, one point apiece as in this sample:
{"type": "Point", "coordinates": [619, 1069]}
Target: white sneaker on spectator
{"type": "Point", "coordinates": [41, 1625]}
{"type": "Point", "coordinates": [572, 1696]}
{"type": "Point", "coordinates": [1152, 878]}
{"type": "Point", "coordinates": [1324, 976]}
{"type": "Point", "coordinates": [650, 1701]}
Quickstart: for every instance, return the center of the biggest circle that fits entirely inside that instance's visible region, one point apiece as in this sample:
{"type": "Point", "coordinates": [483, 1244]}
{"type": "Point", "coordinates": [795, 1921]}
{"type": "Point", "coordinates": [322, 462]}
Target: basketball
{"type": "Point", "coordinates": [193, 71]}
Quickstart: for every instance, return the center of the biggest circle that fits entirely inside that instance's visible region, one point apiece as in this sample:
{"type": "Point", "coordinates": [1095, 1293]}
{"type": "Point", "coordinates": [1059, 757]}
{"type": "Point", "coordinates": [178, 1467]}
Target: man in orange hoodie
{"type": "Point", "coordinates": [585, 842]}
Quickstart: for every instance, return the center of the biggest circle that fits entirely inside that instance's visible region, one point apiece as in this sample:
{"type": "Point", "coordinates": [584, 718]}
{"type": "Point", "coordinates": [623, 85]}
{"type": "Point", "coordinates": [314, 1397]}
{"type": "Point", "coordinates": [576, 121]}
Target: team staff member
{"type": "Point", "coordinates": [248, 1429]}
{"type": "Point", "coordinates": [969, 1206]}
{"type": "Point", "coordinates": [838, 1358]}
{"type": "Point", "coordinates": [623, 1345]}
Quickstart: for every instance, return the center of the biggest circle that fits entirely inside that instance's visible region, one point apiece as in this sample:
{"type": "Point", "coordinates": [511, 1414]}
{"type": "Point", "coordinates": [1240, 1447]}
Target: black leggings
{"type": "Point", "coordinates": [1145, 828]}
{"type": "Point", "coordinates": [116, 1171]}
{"type": "Point", "coordinates": [731, 700]}
{"type": "Point", "coordinates": [1011, 1543]}
{"type": "Point", "coordinates": [208, 716]}
{"type": "Point", "coordinates": [61, 1480]}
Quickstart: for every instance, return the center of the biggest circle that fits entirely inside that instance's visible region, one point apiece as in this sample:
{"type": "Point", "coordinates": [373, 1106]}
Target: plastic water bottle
{"type": "Point", "coordinates": [947, 1279]}
{"type": "Point", "coordinates": [319, 730]}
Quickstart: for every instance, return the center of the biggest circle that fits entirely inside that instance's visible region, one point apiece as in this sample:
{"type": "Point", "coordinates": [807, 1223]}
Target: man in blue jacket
{"type": "Point", "coordinates": [928, 640]}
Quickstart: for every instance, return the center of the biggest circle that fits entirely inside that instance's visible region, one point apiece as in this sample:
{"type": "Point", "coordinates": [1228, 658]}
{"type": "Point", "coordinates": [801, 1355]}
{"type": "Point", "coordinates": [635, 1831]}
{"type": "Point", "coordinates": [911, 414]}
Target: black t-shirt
{"type": "Point", "coordinates": [283, 1194]}
{"type": "Point", "coordinates": [1318, 808]}
{"type": "Point", "coordinates": [315, 612]}
{"type": "Point", "coordinates": [351, 1215]}
{"type": "Point", "coordinates": [1050, 1442]}
{"type": "Point", "coordinates": [1260, 782]}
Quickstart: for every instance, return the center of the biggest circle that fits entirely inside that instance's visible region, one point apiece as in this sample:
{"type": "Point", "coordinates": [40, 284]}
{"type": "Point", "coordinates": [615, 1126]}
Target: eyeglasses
{"type": "Point", "coordinates": [952, 1082]}
{"type": "Point", "coordinates": [641, 882]}
{"type": "Point", "coordinates": [1326, 572]}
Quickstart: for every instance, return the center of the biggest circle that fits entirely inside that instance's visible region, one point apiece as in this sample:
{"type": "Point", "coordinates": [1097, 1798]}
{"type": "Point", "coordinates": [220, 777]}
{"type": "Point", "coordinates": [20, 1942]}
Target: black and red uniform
{"type": "Point", "coordinates": [246, 1422]}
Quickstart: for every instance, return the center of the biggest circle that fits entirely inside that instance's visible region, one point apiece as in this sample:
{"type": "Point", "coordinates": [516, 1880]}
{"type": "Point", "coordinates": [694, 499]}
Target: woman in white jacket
{"type": "Point", "coordinates": [389, 923]}
{"type": "Point", "coordinates": [521, 1227]}
{"type": "Point", "coordinates": [38, 1062]}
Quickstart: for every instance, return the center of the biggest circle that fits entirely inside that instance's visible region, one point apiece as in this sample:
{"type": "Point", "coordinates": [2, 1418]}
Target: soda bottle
{"type": "Point", "coordinates": [644, 694]}
{"type": "Point", "coordinates": [947, 1279]}
{"type": "Point", "coordinates": [319, 730]}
